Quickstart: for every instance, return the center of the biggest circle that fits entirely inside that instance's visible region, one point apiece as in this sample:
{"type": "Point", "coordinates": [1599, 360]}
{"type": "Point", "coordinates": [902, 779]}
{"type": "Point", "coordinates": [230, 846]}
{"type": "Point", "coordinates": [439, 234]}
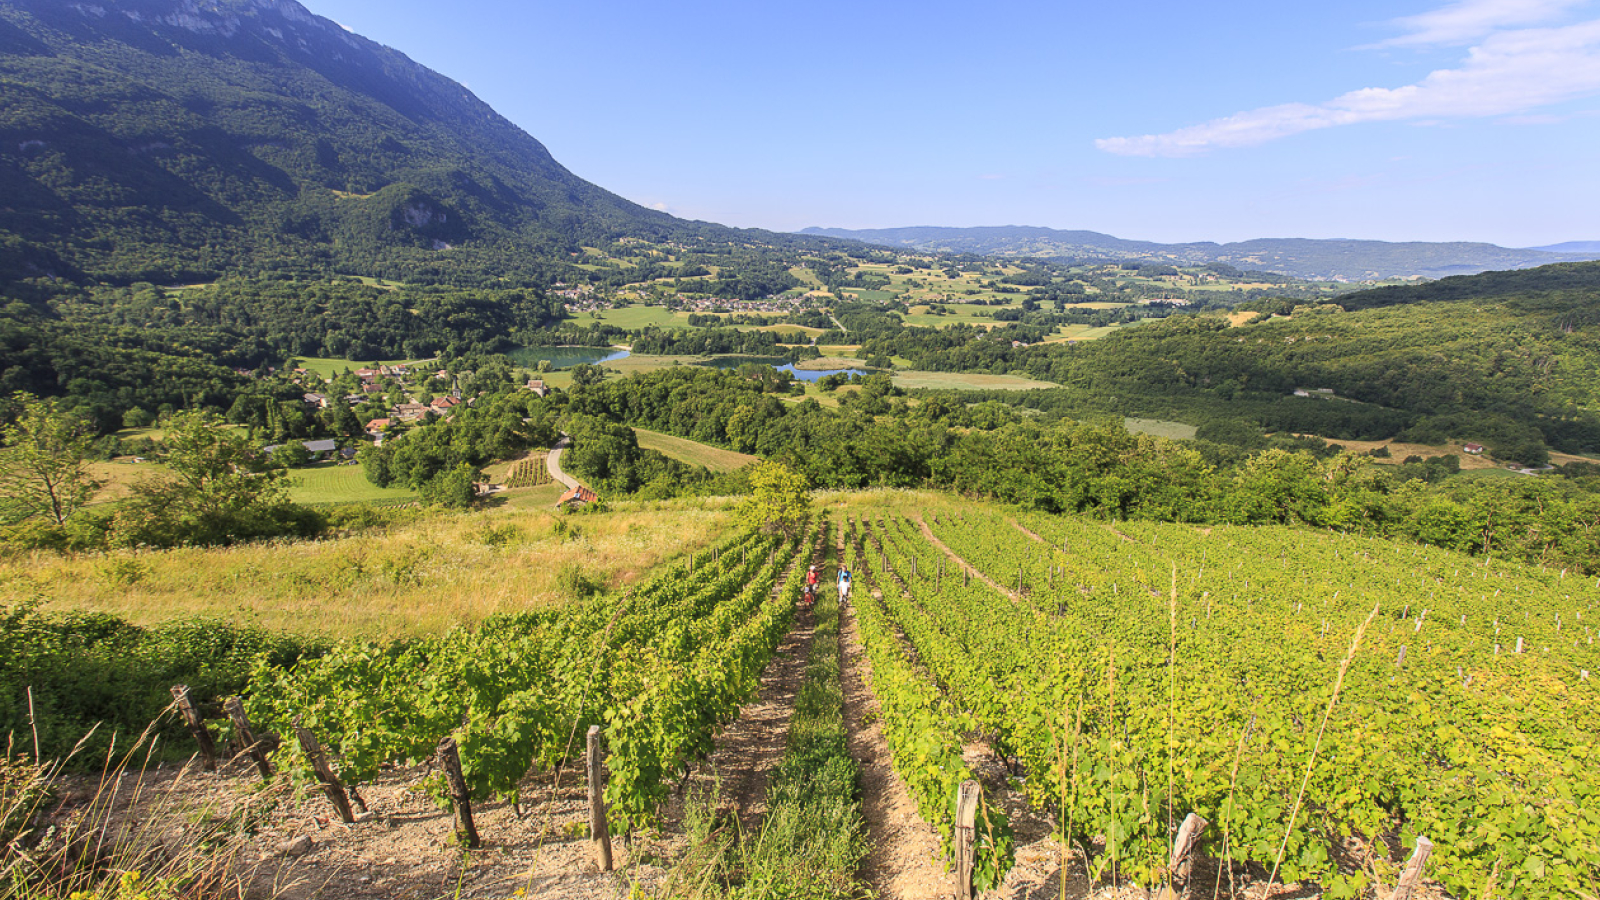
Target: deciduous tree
{"type": "Point", "coordinates": [44, 472]}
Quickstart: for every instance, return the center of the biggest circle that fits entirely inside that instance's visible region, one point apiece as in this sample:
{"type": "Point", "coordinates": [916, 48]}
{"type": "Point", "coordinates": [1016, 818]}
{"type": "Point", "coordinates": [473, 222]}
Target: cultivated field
{"type": "Point", "coordinates": [693, 453]}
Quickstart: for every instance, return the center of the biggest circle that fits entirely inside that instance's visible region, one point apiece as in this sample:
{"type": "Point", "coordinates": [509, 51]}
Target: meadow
{"type": "Point", "coordinates": [693, 453]}
{"type": "Point", "coordinates": [331, 483]}
{"type": "Point", "coordinates": [421, 576]}
{"type": "Point", "coordinates": [328, 367]}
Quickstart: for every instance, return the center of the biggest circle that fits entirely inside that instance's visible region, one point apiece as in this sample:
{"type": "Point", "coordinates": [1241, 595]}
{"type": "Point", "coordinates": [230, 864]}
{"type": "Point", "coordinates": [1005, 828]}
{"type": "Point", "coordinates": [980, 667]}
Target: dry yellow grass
{"type": "Point", "coordinates": [413, 579]}
{"type": "Point", "coordinates": [1399, 451]}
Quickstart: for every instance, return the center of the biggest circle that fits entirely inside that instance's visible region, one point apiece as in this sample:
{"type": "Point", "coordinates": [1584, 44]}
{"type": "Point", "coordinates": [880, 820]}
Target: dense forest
{"type": "Point", "coordinates": [1060, 465]}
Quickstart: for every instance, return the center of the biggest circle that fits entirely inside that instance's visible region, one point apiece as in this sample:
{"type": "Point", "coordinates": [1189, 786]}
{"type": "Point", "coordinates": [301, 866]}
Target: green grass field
{"type": "Point", "coordinates": [1086, 332]}
{"type": "Point", "coordinates": [930, 320]}
{"type": "Point", "coordinates": [543, 497]}
{"type": "Point", "coordinates": [635, 317]}
{"type": "Point", "coordinates": [781, 330]}
{"type": "Point", "coordinates": [153, 432]}
{"type": "Point", "coordinates": [334, 483]}
{"type": "Point", "coordinates": [964, 381]}
{"type": "Point", "coordinates": [693, 453]}
{"type": "Point", "coordinates": [328, 368]}
{"type": "Point", "coordinates": [806, 276]}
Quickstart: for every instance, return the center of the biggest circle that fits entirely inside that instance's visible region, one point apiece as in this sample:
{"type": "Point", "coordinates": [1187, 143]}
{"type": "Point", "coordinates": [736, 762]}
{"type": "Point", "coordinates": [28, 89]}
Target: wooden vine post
{"type": "Point", "coordinates": [460, 797]}
{"type": "Point", "coordinates": [1184, 844]}
{"type": "Point", "coordinates": [1413, 871]}
{"type": "Point", "coordinates": [966, 837]}
{"type": "Point", "coordinates": [197, 726]}
{"type": "Point", "coordinates": [319, 763]}
{"type": "Point", "coordinates": [599, 830]}
{"type": "Point", "coordinates": [247, 737]}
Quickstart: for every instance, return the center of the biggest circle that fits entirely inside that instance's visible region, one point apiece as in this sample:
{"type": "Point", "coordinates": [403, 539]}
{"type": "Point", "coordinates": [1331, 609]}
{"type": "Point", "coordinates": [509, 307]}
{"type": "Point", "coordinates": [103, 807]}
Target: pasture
{"type": "Point", "coordinates": [330, 483]}
{"type": "Point", "coordinates": [693, 453]}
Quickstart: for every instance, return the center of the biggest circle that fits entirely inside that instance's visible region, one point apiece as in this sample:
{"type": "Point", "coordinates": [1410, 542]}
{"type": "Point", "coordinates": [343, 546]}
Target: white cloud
{"type": "Point", "coordinates": [1507, 72]}
{"type": "Point", "coordinates": [1469, 20]}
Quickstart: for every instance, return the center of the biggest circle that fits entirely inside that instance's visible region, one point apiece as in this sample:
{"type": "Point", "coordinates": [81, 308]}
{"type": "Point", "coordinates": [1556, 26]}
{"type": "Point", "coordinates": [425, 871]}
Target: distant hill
{"type": "Point", "coordinates": [1348, 260]}
{"type": "Point", "coordinates": [174, 140]}
{"type": "Point", "coordinates": [1571, 247]}
{"type": "Point", "coordinates": [1573, 285]}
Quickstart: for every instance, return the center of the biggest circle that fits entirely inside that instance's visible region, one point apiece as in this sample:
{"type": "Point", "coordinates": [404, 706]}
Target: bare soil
{"type": "Point", "coordinates": [750, 749]}
{"type": "Point", "coordinates": [904, 860]}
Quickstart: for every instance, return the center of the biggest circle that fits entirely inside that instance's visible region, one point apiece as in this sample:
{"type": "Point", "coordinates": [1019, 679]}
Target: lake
{"type": "Point", "coordinates": [566, 357]}
{"type": "Point", "coordinates": [810, 375]}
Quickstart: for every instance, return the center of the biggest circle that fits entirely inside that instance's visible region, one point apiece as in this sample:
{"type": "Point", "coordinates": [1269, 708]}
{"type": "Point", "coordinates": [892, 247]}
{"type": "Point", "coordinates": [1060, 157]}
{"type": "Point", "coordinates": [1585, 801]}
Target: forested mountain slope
{"type": "Point", "coordinates": [172, 140]}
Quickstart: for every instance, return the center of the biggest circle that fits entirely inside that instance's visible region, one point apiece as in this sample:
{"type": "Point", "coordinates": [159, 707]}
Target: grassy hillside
{"type": "Point", "coordinates": [693, 452]}
{"type": "Point", "coordinates": [418, 577]}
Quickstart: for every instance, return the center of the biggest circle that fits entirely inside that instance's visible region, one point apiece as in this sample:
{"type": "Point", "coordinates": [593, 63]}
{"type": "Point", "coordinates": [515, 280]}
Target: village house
{"type": "Point", "coordinates": [577, 498]}
{"type": "Point", "coordinates": [537, 385]}
{"type": "Point", "coordinates": [318, 449]}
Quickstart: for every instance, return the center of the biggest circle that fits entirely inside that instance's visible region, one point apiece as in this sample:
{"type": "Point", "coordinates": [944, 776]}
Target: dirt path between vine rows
{"type": "Point", "coordinates": [903, 861]}
{"type": "Point", "coordinates": [1024, 529]}
{"type": "Point", "coordinates": [748, 750]}
{"type": "Point", "coordinates": [927, 532]}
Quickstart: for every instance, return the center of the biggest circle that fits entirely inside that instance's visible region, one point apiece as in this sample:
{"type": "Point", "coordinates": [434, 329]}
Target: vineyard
{"type": "Point", "coordinates": [659, 668]}
{"type": "Point", "coordinates": [528, 472]}
{"type": "Point", "coordinates": [1139, 674]}
{"type": "Point", "coordinates": [1322, 705]}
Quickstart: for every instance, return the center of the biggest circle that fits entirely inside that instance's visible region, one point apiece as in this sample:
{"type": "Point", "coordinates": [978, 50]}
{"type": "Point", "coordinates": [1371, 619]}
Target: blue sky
{"type": "Point", "coordinates": [1169, 121]}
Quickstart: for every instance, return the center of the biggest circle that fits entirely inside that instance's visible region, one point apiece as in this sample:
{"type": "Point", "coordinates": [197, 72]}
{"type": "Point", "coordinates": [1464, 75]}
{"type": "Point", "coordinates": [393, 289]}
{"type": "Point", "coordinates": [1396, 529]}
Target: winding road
{"type": "Point", "coordinates": [553, 463]}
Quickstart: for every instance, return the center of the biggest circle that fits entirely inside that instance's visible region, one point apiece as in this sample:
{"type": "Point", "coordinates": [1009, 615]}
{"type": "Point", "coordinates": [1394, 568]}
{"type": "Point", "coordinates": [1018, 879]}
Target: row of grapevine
{"type": "Point", "coordinates": [1152, 670]}
{"type": "Point", "coordinates": [530, 472]}
{"type": "Point", "coordinates": [923, 733]}
{"type": "Point", "coordinates": [660, 667]}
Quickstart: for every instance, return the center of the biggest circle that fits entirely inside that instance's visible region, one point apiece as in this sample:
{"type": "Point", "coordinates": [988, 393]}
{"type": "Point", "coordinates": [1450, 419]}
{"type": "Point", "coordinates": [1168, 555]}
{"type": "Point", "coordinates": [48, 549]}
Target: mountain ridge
{"type": "Point", "coordinates": [173, 140]}
{"type": "Point", "coordinates": [1324, 259]}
